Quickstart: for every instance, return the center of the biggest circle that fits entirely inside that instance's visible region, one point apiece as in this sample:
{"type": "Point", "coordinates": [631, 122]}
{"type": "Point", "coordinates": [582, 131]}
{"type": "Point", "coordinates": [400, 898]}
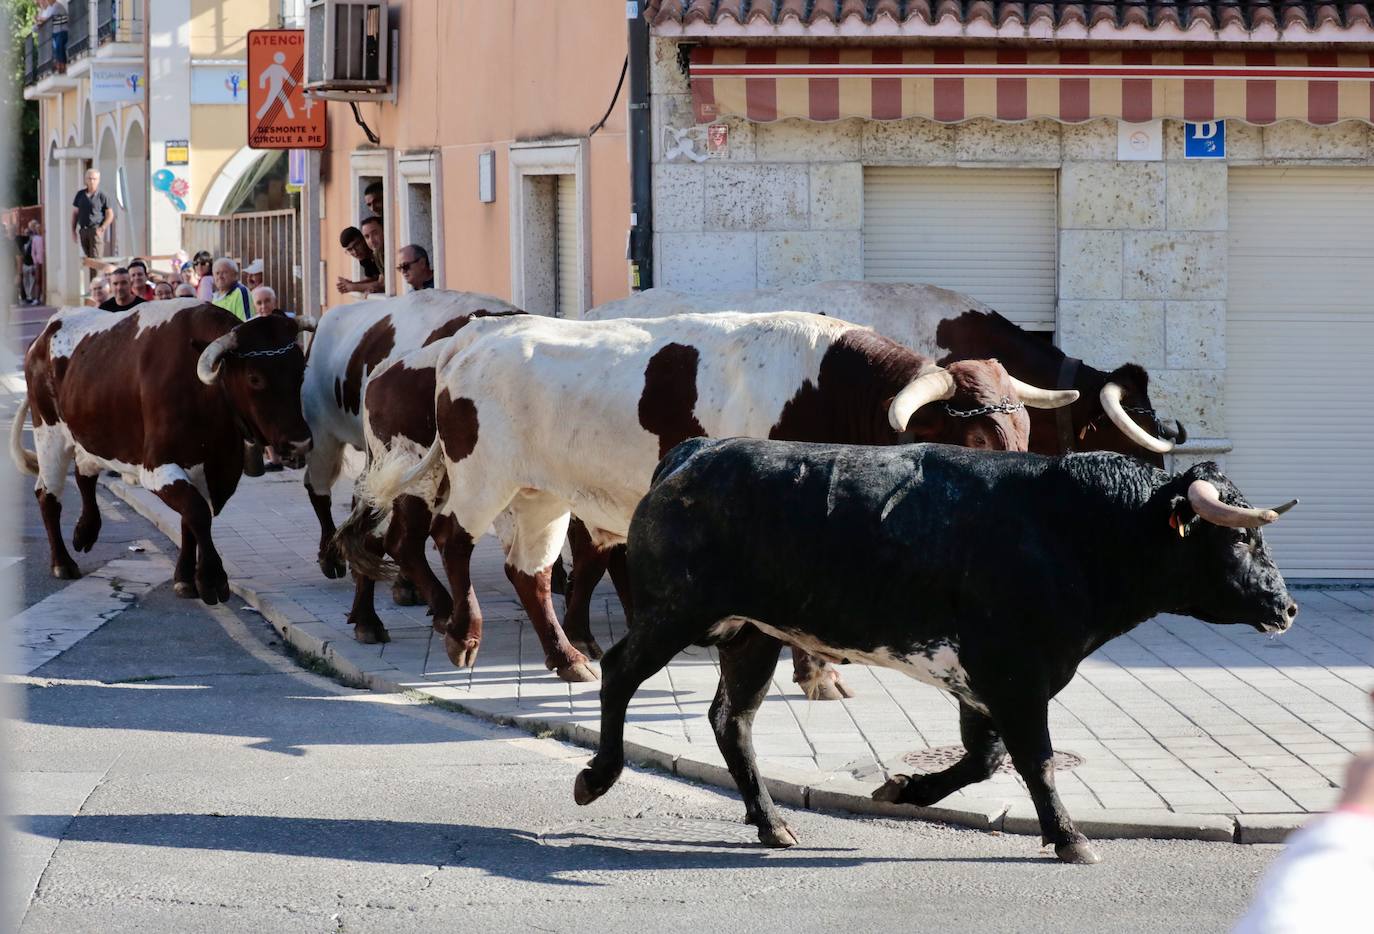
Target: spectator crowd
{"type": "Point", "coordinates": [242, 291]}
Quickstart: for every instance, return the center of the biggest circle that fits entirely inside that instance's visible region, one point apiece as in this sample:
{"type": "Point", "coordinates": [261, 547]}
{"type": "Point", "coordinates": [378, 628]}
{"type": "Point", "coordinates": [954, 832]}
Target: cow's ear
{"type": "Point", "coordinates": [199, 346]}
{"type": "Point", "coordinates": [1182, 518]}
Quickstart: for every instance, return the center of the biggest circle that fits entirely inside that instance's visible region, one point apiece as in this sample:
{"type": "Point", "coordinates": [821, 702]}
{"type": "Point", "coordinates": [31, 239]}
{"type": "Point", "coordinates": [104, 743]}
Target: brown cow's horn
{"type": "Point", "coordinates": [305, 323]}
{"type": "Point", "coordinates": [207, 367]}
{"type": "Point", "coordinates": [933, 383]}
{"type": "Point", "coordinates": [1111, 404]}
{"type": "Point", "coordinates": [1038, 398]}
{"type": "Point", "coordinates": [1206, 502]}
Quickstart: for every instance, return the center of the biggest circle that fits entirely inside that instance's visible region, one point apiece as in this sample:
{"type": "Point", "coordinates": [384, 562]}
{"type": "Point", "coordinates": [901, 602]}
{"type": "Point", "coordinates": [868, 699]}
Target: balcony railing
{"type": "Point", "coordinates": [38, 57]}
{"type": "Point", "coordinates": [118, 21]}
{"type": "Point", "coordinates": [79, 28]}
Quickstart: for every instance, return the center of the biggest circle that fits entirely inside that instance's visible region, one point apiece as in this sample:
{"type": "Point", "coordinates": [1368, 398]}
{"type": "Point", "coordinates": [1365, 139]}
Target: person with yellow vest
{"type": "Point", "coordinates": [229, 292]}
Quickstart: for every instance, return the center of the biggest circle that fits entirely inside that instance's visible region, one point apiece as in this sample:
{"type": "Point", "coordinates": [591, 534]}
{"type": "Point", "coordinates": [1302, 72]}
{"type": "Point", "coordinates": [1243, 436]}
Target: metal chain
{"type": "Point", "coordinates": [1006, 406]}
{"type": "Point", "coordinates": [265, 353]}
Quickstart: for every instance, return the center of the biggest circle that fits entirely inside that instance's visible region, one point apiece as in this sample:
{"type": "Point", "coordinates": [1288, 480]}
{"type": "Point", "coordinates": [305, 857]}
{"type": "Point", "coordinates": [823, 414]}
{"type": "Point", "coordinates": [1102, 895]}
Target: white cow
{"type": "Point", "coordinates": [351, 343]}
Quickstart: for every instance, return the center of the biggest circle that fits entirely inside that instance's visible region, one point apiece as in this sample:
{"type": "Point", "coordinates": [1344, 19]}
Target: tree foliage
{"type": "Point", "coordinates": [22, 185]}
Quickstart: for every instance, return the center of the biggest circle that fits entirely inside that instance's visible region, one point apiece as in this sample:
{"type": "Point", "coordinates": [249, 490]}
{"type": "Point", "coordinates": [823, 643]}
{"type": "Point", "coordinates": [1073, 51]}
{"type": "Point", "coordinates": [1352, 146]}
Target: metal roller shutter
{"type": "Point", "coordinates": [1300, 360]}
{"type": "Point", "coordinates": [989, 233]}
{"type": "Point", "coordinates": [568, 261]}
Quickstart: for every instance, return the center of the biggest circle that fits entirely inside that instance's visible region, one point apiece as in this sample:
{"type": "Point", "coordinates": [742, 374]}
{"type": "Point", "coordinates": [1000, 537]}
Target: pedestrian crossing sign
{"type": "Point", "coordinates": [280, 116]}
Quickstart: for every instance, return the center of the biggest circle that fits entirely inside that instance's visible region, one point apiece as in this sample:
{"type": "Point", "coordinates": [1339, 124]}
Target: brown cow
{"type": "Point", "coordinates": [167, 392]}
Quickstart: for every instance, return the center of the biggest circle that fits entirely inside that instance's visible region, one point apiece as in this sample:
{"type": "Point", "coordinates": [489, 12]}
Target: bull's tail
{"type": "Point", "coordinates": [375, 492]}
{"type": "Point", "coordinates": [24, 459]}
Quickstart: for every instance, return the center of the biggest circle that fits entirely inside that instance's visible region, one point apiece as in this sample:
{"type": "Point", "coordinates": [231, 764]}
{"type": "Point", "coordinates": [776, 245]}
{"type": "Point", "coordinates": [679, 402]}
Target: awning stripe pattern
{"type": "Point", "coordinates": [950, 85]}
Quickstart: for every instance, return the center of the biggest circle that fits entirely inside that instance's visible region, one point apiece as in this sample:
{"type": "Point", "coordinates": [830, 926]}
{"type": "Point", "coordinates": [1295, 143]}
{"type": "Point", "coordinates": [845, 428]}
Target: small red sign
{"type": "Point", "coordinates": [280, 116]}
{"type": "Point", "coordinates": [718, 137]}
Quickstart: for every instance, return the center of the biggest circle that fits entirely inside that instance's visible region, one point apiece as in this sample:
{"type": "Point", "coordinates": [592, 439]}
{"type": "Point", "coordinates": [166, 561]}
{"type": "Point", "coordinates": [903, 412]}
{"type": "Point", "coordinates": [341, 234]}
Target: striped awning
{"type": "Point", "coordinates": [950, 85]}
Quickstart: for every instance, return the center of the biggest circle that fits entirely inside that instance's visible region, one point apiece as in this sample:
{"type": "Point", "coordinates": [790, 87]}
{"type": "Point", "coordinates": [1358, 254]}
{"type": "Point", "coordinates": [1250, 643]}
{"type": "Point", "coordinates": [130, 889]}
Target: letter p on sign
{"type": "Point", "coordinates": [1204, 140]}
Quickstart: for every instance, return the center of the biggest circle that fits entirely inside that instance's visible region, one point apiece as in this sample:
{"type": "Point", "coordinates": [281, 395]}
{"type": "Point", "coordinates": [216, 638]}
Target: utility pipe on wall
{"type": "Point", "coordinates": [641, 153]}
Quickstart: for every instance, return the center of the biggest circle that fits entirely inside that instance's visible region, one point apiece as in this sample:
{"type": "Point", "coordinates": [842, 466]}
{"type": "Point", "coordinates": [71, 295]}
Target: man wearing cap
{"type": "Point", "coordinates": [252, 275]}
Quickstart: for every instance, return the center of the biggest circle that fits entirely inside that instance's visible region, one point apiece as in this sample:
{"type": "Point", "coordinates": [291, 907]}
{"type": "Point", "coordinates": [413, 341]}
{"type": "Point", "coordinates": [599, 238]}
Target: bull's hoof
{"type": "Point", "coordinates": [780, 836]}
{"type": "Point", "coordinates": [461, 652]}
{"type": "Point", "coordinates": [578, 673]}
{"type": "Point", "coordinates": [186, 590]}
{"type": "Point", "coordinates": [370, 633]}
{"type": "Point", "coordinates": [827, 686]}
{"type": "Point", "coordinates": [892, 791]}
{"type": "Point", "coordinates": [587, 647]}
{"type": "Point", "coordinates": [403, 593]}
{"type": "Point", "coordinates": [333, 566]}
{"type": "Point", "coordinates": [1081, 853]}
{"type": "Point", "coordinates": [586, 789]}
{"type": "Point", "coordinates": [213, 590]}
{"type": "Point", "coordinates": [908, 789]}
{"type": "Point", "coordinates": [66, 572]}
{"type": "Point", "coordinates": [85, 535]}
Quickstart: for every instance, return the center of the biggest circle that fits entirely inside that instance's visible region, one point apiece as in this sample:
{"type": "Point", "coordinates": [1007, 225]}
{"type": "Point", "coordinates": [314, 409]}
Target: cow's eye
{"type": "Point", "coordinates": [256, 382]}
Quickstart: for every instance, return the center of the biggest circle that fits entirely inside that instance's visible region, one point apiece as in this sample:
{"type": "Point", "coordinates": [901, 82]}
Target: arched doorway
{"type": "Point", "coordinates": [107, 161]}
{"type": "Point", "coordinates": [135, 212]}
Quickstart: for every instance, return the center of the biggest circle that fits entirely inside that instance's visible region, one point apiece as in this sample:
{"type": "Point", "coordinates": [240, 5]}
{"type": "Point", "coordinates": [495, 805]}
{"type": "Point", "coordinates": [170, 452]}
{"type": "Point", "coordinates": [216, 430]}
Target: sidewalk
{"type": "Point", "coordinates": [1180, 729]}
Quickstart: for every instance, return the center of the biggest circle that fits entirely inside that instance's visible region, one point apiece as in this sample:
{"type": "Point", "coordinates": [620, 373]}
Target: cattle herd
{"type": "Point", "coordinates": [892, 475]}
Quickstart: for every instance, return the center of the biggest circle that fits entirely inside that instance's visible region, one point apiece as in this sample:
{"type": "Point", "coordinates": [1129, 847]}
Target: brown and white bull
{"type": "Point", "coordinates": [169, 393]}
{"type": "Point", "coordinates": [1113, 411]}
{"type": "Point", "coordinates": [539, 418]}
{"type": "Point", "coordinates": [351, 343]}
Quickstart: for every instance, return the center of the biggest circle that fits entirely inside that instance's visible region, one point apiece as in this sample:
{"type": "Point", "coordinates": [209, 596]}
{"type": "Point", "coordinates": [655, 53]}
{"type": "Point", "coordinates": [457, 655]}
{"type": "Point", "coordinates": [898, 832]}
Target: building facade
{"type": "Point", "coordinates": [152, 94]}
{"type": "Point", "coordinates": [1043, 167]}
{"type": "Point", "coordinates": [485, 149]}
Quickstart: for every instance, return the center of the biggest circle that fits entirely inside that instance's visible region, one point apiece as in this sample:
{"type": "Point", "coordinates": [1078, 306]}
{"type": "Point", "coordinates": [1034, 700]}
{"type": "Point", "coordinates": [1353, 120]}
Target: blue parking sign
{"type": "Point", "coordinates": [1204, 140]}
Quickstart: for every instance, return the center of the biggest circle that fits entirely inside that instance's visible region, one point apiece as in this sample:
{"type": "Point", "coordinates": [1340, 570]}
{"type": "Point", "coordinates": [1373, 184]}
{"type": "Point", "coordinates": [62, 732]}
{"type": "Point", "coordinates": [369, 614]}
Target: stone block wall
{"type": "Point", "coordinates": [1142, 245]}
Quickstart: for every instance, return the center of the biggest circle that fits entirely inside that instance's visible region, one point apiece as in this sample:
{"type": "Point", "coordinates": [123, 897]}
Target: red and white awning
{"type": "Point", "coordinates": [950, 85]}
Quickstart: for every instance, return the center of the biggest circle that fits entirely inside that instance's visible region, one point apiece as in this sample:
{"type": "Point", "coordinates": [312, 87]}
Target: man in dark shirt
{"type": "Point", "coordinates": [123, 297]}
{"type": "Point", "coordinates": [355, 245]}
{"type": "Point", "coordinates": [91, 214]}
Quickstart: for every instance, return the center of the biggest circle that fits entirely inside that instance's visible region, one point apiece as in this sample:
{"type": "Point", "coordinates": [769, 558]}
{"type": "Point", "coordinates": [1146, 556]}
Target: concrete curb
{"type": "Point", "coordinates": [308, 635]}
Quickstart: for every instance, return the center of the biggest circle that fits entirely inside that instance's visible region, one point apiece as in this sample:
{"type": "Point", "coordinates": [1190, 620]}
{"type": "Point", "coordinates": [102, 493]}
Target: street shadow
{"type": "Point", "coordinates": [499, 851]}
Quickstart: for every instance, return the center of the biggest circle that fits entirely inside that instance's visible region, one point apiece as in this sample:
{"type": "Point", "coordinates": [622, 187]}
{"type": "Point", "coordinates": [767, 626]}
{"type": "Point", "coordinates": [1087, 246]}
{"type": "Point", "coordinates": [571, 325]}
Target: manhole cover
{"type": "Point", "coordinates": [655, 834]}
{"type": "Point", "coordinates": [942, 757]}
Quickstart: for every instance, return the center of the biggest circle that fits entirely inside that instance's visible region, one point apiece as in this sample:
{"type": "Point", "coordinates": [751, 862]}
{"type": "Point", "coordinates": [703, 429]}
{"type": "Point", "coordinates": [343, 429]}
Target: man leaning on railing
{"type": "Point", "coordinates": [54, 13]}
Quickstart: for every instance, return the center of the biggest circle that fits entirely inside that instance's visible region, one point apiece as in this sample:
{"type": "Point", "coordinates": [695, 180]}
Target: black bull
{"type": "Point", "coordinates": [989, 575]}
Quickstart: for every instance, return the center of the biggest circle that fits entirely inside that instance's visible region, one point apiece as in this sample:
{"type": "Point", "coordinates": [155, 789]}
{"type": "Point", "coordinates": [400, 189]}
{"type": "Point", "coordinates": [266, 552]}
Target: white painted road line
{"type": "Point", "coordinates": [55, 624]}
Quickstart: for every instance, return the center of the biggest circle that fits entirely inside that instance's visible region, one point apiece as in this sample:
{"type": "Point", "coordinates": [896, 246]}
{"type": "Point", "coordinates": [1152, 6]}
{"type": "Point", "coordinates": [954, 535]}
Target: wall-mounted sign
{"type": "Point", "coordinates": [717, 138]}
{"type": "Point", "coordinates": [177, 152]}
{"type": "Point", "coordinates": [1140, 141]}
{"type": "Point", "coordinates": [219, 84]}
{"type": "Point", "coordinates": [119, 83]}
{"type": "Point", "coordinates": [1204, 140]}
{"type": "Point", "coordinates": [295, 170]}
{"type": "Point", "coordinates": [486, 176]}
{"type": "Point", "coordinates": [280, 116]}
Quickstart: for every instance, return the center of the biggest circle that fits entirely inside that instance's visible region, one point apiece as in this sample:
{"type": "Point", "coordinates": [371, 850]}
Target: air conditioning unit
{"type": "Point", "coordinates": [347, 49]}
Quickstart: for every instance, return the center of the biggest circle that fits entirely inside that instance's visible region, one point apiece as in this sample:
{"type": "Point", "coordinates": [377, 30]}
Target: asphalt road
{"type": "Point", "coordinates": [175, 773]}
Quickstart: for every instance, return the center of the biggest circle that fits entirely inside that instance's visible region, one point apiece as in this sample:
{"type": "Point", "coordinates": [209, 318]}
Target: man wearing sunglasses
{"type": "Point", "coordinates": [414, 267]}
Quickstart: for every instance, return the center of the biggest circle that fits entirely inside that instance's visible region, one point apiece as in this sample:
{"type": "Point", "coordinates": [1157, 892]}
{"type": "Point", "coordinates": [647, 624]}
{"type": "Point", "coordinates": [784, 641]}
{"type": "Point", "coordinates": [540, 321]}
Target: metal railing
{"type": "Point", "coordinates": [79, 29]}
{"type": "Point", "coordinates": [118, 21]}
{"type": "Point", "coordinates": [30, 62]}
{"type": "Point", "coordinates": [272, 236]}
{"type": "Point", "coordinates": [43, 63]}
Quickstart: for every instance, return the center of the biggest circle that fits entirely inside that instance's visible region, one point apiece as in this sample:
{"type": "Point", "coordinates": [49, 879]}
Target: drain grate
{"type": "Point", "coordinates": [937, 758]}
{"type": "Point", "coordinates": [655, 835]}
